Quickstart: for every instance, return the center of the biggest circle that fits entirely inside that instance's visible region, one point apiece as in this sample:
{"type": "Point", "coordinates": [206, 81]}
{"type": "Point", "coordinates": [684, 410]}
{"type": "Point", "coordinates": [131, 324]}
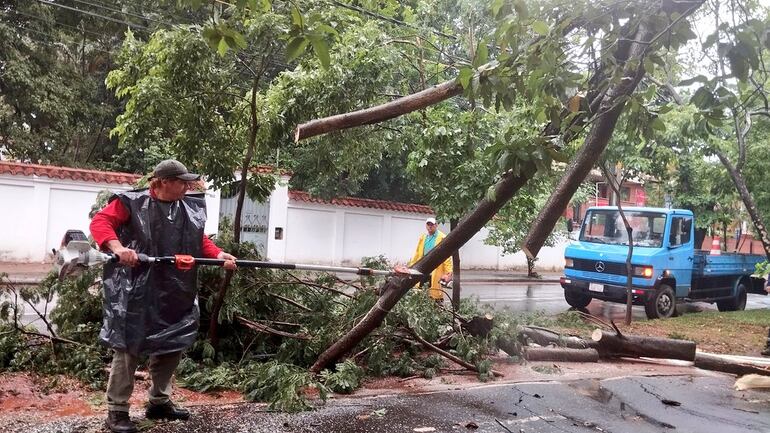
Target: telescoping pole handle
{"type": "Point", "coordinates": [186, 262]}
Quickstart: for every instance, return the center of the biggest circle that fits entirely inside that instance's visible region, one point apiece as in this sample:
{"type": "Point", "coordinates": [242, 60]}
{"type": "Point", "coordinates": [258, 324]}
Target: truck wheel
{"type": "Point", "coordinates": [662, 305]}
{"type": "Point", "coordinates": [576, 299]}
{"type": "Point", "coordinates": [737, 303]}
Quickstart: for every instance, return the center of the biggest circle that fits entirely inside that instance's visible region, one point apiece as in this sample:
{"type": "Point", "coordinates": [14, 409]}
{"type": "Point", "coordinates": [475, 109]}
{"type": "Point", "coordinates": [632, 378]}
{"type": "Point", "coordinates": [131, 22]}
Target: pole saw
{"type": "Point", "coordinates": [76, 254]}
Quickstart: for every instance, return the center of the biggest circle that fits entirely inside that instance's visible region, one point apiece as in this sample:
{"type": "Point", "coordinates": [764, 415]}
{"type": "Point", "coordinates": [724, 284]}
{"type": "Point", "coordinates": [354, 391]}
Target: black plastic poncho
{"type": "Point", "coordinates": [153, 309]}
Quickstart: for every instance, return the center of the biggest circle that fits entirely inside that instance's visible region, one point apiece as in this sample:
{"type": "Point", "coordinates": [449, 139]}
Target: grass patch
{"type": "Point", "coordinates": [748, 317]}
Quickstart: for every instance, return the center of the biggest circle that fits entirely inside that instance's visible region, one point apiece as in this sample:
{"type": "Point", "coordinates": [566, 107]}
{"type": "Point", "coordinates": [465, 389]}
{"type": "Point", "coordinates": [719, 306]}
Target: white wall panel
{"type": "Point", "coordinates": [363, 236]}
{"type": "Point", "coordinates": [17, 230]}
{"type": "Point", "coordinates": [309, 235]}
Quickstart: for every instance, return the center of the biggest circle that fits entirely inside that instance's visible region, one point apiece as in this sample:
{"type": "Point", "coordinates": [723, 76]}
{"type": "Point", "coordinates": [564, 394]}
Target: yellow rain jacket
{"type": "Point", "coordinates": [435, 276]}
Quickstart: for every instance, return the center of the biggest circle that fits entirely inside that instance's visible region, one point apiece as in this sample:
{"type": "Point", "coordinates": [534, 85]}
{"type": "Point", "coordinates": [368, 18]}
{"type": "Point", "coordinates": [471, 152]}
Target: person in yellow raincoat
{"type": "Point", "coordinates": [427, 242]}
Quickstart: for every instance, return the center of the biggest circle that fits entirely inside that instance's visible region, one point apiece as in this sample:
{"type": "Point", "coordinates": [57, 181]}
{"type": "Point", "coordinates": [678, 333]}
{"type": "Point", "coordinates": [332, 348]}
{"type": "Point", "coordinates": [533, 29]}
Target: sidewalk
{"type": "Point", "coordinates": [32, 273]}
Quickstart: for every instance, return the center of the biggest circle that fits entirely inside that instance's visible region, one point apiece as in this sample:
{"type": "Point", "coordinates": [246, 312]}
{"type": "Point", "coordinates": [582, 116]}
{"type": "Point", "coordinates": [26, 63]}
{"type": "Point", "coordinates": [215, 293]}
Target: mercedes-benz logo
{"type": "Point", "coordinates": [599, 267]}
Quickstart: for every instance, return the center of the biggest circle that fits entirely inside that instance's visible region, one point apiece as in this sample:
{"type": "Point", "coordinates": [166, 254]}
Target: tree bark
{"type": "Point", "coordinates": [546, 337]}
{"type": "Point", "coordinates": [456, 273]}
{"type": "Point", "coordinates": [396, 287]}
{"type": "Point", "coordinates": [748, 202]}
{"type": "Point", "coordinates": [649, 347]}
{"type": "Point", "coordinates": [560, 354]}
{"type": "Point", "coordinates": [708, 361]}
{"type": "Point", "coordinates": [380, 113]}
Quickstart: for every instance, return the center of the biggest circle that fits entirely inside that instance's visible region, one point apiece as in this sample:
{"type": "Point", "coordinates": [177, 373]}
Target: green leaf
{"type": "Point", "coordinates": [482, 54]}
{"type": "Point", "coordinates": [325, 28]}
{"type": "Point", "coordinates": [296, 47]}
{"type": "Point", "coordinates": [658, 125]}
{"type": "Point", "coordinates": [710, 40]}
{"type": "Point", "coordinates": [521, 9]}
{"type": "Point", "coordinates": [222, 47]}
{"type": "Point", "coordinates": [465, 77]}
{"type": "Point", "coordinates": [540, 27]}
{"type": "Point", "coordinates": [738, 65]}
{"type": "Point", "coordinates": [496, 6]}
{"type": "Point", "coordinates": [703, 98]}
{"type": "Point", "coordinates": [321, 49]}
{"type": "Point", "coordinates": [296, 16]}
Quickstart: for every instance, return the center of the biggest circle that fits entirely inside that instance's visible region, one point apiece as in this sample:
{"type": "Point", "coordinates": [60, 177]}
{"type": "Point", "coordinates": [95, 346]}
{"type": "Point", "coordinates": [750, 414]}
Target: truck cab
{"type": "Point", "coordinates": [666, 268]}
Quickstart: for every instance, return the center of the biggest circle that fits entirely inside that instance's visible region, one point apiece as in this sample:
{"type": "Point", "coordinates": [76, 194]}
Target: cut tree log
{"type": "Point", "coordinates": [560, 354]}
{"type": "Point", "coordinates": [714, 362]}
{"type": "Point", "coordinates": [547, 337]}
{"type": "Point", "coordinates": [648, 347]}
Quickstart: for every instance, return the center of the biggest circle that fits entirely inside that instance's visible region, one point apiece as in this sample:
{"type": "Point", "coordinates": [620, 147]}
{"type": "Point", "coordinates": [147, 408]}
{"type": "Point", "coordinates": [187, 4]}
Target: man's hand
{"type": "Point", "coordinates": [229, 260]}
{"type": "Point", "coordinates": [401, 270]}
{"type": "Point", "coordinates": [446, 277]}
{"type": "Point", "coordinates": [127, 256]}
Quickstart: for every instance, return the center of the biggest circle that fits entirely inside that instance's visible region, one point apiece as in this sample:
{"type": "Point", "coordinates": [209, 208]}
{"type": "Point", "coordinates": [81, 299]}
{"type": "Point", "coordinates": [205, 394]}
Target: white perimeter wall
{"type": "Point", "coordinates": [35, 212]}
{"type": "Point", "coordinates": [341, 235]}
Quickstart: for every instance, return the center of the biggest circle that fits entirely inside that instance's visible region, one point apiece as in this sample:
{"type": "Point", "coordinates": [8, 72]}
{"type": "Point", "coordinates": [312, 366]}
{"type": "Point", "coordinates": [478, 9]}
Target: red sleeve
{"type": "Point", "coordinates": [105, 223]}
{"type": "Point", "coordinates": [210, 249]}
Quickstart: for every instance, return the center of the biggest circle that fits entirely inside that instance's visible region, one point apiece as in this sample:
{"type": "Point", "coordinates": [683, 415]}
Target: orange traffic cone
{"type": "Point", "coordinates": [716, 248]}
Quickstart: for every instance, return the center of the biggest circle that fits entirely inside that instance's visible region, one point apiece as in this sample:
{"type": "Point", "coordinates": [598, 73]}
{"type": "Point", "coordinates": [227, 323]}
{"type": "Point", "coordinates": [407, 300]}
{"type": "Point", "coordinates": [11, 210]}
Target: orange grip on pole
{"type": "Point", "coordinates": [184, 262]}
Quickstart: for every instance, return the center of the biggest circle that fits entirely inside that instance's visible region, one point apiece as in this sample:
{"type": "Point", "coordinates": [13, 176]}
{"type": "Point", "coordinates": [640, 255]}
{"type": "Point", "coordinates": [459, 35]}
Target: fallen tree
{"type": "Point", "coordinates": [638, 36]}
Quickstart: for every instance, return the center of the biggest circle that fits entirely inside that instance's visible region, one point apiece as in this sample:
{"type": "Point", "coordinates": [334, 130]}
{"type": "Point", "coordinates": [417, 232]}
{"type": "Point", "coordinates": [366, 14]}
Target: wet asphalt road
{"type": "Point", "coordinates": [548, 297]}
{"type": "Point", "coordinates": [699, 404]}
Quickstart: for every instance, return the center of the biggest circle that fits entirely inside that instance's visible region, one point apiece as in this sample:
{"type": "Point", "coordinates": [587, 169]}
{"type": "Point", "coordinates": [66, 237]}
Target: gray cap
{"type": "Point", "coordinates": [171, 168]}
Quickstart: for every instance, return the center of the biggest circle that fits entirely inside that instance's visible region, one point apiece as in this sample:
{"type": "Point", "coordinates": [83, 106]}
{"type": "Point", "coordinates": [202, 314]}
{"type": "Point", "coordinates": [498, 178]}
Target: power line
{"type": "Point", "coordinates": [54, 40]}
{"type": "Point", "coordinates": [94, 14]}
{"type": "Point", "coordinates": [39, 18]}
{"type": "Point", "coordinates": [143, 17]}
{"type": "Point", "coordinates": [390, 20]}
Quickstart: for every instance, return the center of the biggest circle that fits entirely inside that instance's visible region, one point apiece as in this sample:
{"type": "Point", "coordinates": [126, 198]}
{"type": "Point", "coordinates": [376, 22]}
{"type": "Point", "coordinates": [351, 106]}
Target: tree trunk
{"type": "Point", "coordinates": [748, 202]}
{"type": "Point", "coordinates": [455, 271]}
{"type": "Point", "coordinates": [615, 180]}
{"type": "Point", "coordinates": [250, 151]}
{"type": "Point", "coordinates": [560, 354]}
{"type": "Point", "coordinates": [396, 287]}
{"type": "Point", "coordinates": [649, 347]}
{"type": "Point", "coordinates": [708, 361]}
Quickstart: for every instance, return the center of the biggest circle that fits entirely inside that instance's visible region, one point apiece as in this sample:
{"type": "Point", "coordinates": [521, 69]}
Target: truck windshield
{"type": "Point", "coordinates": [606, 227]}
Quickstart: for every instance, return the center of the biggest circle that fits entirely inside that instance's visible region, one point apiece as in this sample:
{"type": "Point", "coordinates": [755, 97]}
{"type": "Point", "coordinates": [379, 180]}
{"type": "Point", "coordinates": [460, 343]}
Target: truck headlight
{"type": "Point", "coordinates": [568, 263]}
{"type": "Point", "coordinates": [643, 271]}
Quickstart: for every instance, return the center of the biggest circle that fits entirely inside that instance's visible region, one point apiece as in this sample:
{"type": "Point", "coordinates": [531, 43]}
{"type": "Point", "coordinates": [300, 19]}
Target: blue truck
{"type": "Point", "coordinates": [666, 266]}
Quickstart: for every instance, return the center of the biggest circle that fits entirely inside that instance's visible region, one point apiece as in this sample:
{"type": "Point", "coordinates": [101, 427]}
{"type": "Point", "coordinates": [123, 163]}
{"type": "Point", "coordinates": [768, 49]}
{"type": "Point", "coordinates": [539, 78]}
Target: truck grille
{"type": "Point", "coordinates": [591, 266]}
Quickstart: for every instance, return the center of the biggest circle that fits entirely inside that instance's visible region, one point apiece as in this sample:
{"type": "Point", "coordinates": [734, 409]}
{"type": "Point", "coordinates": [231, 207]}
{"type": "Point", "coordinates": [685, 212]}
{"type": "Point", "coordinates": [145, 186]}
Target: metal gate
{"type": "Point", "coordinates": [254, 220]}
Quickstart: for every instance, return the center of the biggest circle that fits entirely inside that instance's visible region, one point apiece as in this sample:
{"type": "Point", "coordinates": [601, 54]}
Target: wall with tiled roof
{"type": "Point", "coordinates": [67, 173]}
{"type": "Point", "coordinates": [363, 202]}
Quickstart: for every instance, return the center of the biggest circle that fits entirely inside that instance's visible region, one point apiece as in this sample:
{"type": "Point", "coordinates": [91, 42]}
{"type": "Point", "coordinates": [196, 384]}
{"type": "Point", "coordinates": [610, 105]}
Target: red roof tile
{"type": "Point", "coordinates": [362, 202]}
{"type": "Point", "coordinates": [269, 169]}
{"type": "Point", "coordinates": [54, 172]}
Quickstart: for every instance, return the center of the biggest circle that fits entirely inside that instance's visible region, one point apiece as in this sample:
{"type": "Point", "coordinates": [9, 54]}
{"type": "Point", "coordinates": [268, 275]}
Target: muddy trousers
{"type": "Point", "coordinates": [121, 382]}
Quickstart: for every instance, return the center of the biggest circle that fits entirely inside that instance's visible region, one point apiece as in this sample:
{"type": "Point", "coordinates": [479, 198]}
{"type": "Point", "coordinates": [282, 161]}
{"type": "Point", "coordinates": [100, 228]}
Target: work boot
{"type": "Point", "coordinates": [167, 410]}
{"type": "Point", "coordinates": [120, 422]}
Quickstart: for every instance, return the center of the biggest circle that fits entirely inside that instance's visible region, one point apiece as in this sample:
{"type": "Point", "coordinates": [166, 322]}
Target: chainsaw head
{"type": "Point", "coordinates": [76, 255]}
